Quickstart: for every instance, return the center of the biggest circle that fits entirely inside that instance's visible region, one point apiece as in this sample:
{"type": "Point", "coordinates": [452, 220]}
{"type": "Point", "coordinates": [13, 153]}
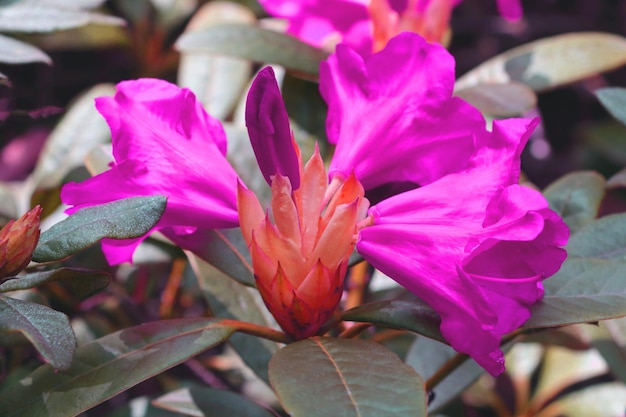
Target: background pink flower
{"type": "Point", "coordinates": [324, 23]}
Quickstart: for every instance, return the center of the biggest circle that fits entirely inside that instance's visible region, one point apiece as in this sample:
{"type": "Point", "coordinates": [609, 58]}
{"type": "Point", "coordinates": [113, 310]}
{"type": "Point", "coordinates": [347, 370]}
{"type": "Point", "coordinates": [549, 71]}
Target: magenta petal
{"type": "Point", "coordinates": [393, 116]}
{"type": "Point", "coordinates": [268, 127]}
{"type": "Point", "coordinates": [510, 9]}
{"type": "Point", "coordinates": [164, 144]}
{"type": "Point", "coordinates": [474, 245]}
{"type": "Point", "coordinates": [319, 21]}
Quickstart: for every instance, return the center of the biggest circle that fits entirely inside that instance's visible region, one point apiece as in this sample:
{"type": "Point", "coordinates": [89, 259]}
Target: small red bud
{"type": "Point", "coordinates": [18, 240]}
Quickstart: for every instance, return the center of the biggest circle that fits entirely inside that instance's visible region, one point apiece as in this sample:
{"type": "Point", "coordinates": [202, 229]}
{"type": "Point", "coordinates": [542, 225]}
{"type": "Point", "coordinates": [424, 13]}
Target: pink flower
{"type": "Point", "coordinates": [164, 143]}
{"type": "Point", "coordinates": [366, 25]}
{"type": "Point", "coordinates": [392, 115]}
{"type": "Point", "coordinates": [474, 245]}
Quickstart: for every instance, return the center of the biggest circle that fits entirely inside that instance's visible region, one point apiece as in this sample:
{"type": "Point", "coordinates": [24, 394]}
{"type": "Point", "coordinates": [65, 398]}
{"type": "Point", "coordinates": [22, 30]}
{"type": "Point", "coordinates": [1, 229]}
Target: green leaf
{"type": "Point", "coordinates": [577, 197]}
{"type": "Point", "coordinates": [110, 365]}
{"type": "Point", "coordinates": [48, 330]}
{"type": "Point", "coordinates": [551, 62]}
{"type": "Point", "coordinates": [226, 250]}
{"type": "Point", "coordinates": [80, 282]}
{"type": "Point", "coordinates": [427, 356]}
{"type": "Point", "coordinates": [217, 81]}
{"type": "Point", "coordinates": [590, 286]}
{"type": "Point", "coordinates": [122, 219]}
{"type": "Point", "coordinates": [201, 402]}
{"type": "Point", "coordinates": [605, 238]}
{"type": "Point", "coordinates": [229, 299]}
{"type": "Point", "coordinates": [23, 17]}
{"type": "Point", "coordinates": [13, 51]}
{"type": "Point", "coordinates": [254, 43]}
{"type": "Point", "coordinates": [614, 100]}
{"type": "Point", "coordinates": [415, 316]}
{"type": "Point", "coordinates": [321, 377]}
{"type": "Point", "coordinates": [500, 100]}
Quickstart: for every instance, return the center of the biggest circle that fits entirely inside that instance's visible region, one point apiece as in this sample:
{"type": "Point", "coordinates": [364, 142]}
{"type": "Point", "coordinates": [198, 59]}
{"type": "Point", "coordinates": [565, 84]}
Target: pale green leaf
{"type": "Point", "coordinates": [253, 43]}
{"type": "Point", "coordinates": [122, 219]}
{"type": "Point", "coordinates": [552, 62]}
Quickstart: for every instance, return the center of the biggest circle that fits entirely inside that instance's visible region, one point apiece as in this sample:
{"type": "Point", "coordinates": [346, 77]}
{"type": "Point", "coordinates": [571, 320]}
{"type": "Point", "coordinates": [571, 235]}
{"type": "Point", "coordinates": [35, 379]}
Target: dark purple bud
{"type": "Point", "coordinates": [268, 127]}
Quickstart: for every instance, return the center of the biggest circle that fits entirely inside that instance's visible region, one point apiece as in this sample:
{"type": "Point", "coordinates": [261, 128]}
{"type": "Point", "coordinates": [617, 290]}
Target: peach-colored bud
{"type": "Point", "coordinates": [300, 260]}
{"type": "Point", "coordinates": [18, 240]}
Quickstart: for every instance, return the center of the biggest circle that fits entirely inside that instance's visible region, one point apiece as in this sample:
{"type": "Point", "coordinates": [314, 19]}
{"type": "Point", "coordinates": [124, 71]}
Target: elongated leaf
{"type": "Point", "coordinates": [206, 402]}
{"type": "Point", "coordinates": [427, 356]}
{"type": "Point", "coordinates": [415, 316]}
{"type": "Point", "coordinates": [81, 282]}
{"type": "Point", "coordinates": [229, 299]}
{"type": "Point", "coordinates": [39, 19]}
{"type": "Point", "coordinates": [253, 43]}
{"type": "Point", "coordinates": [605, 238]}
{"type": "Point", "coordinates": [552, 62]}
{"type": "Point", "coordinates": [590, 285]}
{"type": "Point", "coordinates": [500, 100]}
{"type": "Point", "coordinates": [218, 81]}
{"type": "Point", "coordinates": [584, 290]}
{"type": "Point", "coordinates": [614, 100]}
{"type": "Point", "coordinates": [121, 219]}
{"type": "Point", "coordinates": [47, 329]}
{"type": "Point", "coordinates": [13, 51]}
{"type": "Point", "coordinates": [110, 365]}
{"type": "Point", "coordinates": [321, 377]}
{"type": "Point", "coordinates": [577, 197]}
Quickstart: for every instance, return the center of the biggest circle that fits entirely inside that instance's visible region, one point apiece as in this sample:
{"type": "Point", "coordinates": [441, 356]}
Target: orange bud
{"type": "Point", "coordinates": [300, 260]}
{"type": "Point", "coordinates": [431, 20]}
{"type": "Point", "coordinates": [18, 240]}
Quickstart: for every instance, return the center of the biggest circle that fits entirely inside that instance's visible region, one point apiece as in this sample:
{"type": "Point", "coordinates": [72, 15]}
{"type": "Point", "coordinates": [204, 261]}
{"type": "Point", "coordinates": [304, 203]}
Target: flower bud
{"type": "Point", "coordinates": [18, 240]}
{"type": "Point", "coordinates": [300, 259]}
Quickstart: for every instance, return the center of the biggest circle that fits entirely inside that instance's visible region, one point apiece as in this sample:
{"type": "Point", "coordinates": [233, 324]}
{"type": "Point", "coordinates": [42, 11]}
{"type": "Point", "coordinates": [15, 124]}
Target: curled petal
{"type": "Point", "coordinates": [474, 247]}
{"type": "Point", "coordinates": [393, 116]}
{"type": "Point", "coordinates": [268, 126]}
{"type": "Point", "coordinates": [164, 144]}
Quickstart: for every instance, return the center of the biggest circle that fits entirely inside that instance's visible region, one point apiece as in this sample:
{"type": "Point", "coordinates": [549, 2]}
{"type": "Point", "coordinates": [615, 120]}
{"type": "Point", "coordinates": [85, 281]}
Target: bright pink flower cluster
{"type": "Point", "coordinates": [365, 25]}
{"type": "Point", "coordinates": [465, 237]}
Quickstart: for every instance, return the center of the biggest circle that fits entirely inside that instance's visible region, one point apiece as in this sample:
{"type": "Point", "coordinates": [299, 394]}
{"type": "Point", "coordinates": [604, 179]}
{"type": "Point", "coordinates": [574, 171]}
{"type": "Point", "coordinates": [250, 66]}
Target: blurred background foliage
{"type": "Point", "coordinates": [49, 127]}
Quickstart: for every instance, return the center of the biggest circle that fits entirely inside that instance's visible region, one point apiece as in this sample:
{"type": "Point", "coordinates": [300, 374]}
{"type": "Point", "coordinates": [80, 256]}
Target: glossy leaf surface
{"type": "Point", "coordinates": [110, 365]}
{"type": "Point", "coordinates": [415, 316]}
{"type": "Point", "coordinates": [321, 377]}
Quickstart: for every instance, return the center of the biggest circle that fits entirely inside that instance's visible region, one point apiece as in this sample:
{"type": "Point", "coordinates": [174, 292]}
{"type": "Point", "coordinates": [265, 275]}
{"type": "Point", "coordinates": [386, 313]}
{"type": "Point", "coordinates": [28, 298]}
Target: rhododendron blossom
{"type": "Point", "coordinates": [300, 259]}
{"type": "Point", "coordinates": [466, 237]}
{"type": "Point", "coordinates": [162, 142]}
{"type": "Point", "coordinates": [367, 25]}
